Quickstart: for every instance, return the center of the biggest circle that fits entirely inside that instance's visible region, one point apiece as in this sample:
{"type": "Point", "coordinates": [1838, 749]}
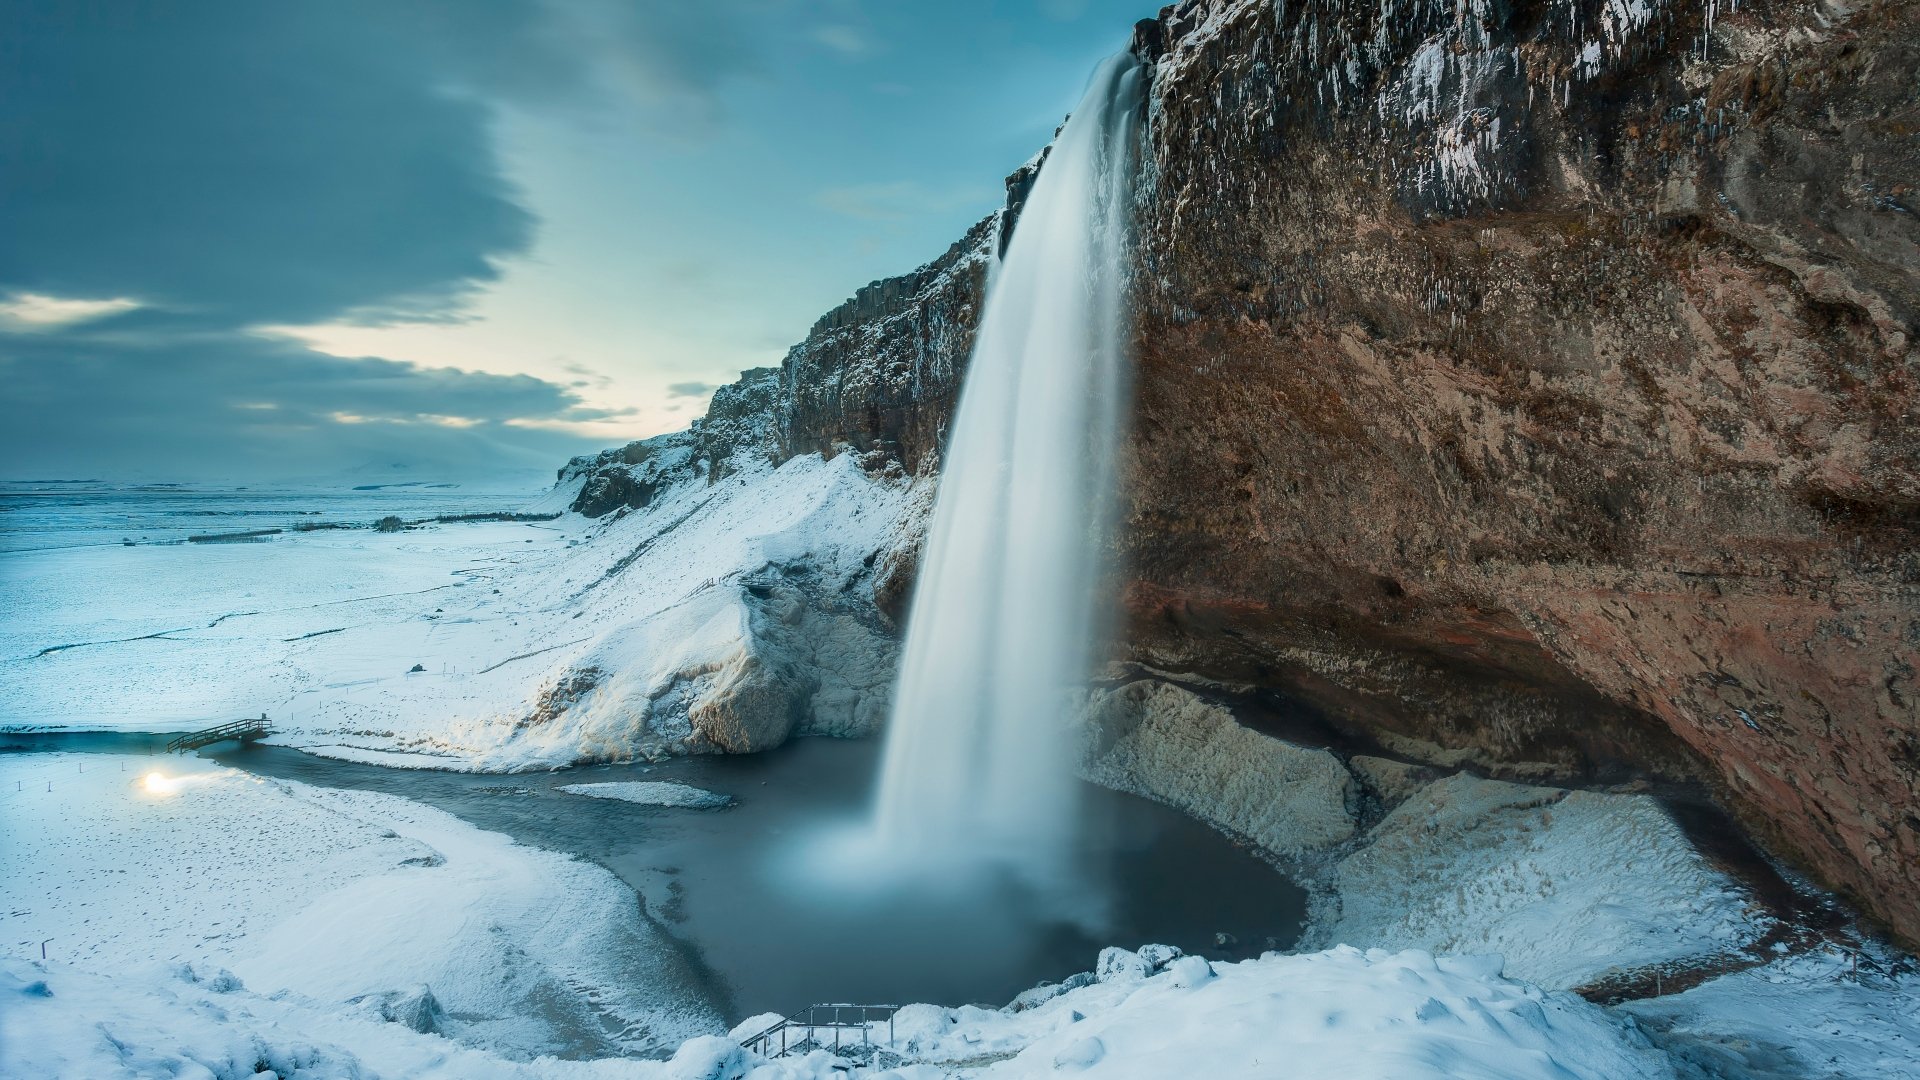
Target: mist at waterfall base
{"type": "Point", "coordinates": [977, 794]}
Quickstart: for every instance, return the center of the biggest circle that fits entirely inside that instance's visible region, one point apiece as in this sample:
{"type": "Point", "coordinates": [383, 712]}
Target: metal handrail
{"type": "Point", "coordinates": [837, 1019]}
{"type": "Point", "coordinates": [251, 728]}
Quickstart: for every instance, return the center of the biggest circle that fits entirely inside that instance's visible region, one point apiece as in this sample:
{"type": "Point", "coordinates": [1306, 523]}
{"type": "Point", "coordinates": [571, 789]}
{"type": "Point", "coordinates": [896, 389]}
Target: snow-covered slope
{"type": "Point", "coordinates": [721, 616]}
{"type": "Point", "coordinates": [1566, 885]}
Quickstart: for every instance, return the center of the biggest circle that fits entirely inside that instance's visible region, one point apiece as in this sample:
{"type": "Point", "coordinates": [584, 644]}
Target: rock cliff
{"type": "Point", "coordinates": [1538, 382]}
{"type": "Point", "coordinates": [1529, 386]}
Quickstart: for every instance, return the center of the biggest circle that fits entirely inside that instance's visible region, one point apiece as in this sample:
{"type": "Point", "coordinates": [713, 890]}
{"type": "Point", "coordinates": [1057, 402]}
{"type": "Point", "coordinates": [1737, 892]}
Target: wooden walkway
{"type": "Point", "coordinates": [245, 731]}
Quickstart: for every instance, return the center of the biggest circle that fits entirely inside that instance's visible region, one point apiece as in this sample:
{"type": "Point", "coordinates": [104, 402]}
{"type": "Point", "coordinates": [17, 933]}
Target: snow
{"type": "Point", "coordinates": [652, 793]}
{"type": "Point", "coordinates": [1566, 885]}
{"type": "Point", "coordinates": [1824, 1014]}
{"type": "Point", "coordinates": [540, 644]}
{"type": "Point", "coordinates": [1338, 1013]}
{"type": "Point", "coordinates": [1343, 1012]}
{"type": "Point", "coordinates": [61, 1022]}
{"type": "Point", "coordinates": [140, 863]}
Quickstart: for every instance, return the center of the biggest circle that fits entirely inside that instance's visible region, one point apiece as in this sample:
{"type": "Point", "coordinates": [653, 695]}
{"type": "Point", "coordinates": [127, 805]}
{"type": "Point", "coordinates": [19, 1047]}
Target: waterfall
{"type": "Point", "coordinates": [1004, 618]}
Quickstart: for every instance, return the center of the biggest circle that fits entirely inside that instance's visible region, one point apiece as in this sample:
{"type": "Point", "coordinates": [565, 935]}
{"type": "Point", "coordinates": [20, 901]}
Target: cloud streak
{"type": "Point", "coordinates": [221, 406]}
{"type": "Point", "coordinates": [39, 312]}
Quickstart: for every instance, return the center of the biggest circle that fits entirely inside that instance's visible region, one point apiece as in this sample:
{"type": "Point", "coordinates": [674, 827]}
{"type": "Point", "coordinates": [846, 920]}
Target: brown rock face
{"type": "Point", "coordinates": [1526, 384]}
{"type": "Point", "coordinates": [881, 372]}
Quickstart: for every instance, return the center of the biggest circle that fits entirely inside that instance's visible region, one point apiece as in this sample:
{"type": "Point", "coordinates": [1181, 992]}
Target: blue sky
{"type": "Point", "coordinates": [274, 240]}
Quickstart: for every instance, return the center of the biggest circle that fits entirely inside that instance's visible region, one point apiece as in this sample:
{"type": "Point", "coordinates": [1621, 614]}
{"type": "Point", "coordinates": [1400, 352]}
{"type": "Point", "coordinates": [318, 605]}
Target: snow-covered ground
{"type": "Point", "coordinates": [162, 873]}
{"type": "Point", "coordinates": [1829, 1013]}
{"type": "Point", "coordinates": [1340, 1013]}
{"type": "Point", "coordinates": [536, 644]}
{"type": "Point", "coordinates": [1566, 885]}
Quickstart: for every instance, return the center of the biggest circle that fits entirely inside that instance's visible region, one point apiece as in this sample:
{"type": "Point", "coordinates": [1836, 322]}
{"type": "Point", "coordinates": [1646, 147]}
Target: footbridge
{"type": "Point", "coordinates": [841, 1028]}
{"type": "Point", "coordinates": [243, 731]}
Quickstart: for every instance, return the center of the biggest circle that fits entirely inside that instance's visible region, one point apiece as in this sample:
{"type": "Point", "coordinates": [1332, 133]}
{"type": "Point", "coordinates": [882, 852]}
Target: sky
{"type": "Point", "coordinates": [312, 239]}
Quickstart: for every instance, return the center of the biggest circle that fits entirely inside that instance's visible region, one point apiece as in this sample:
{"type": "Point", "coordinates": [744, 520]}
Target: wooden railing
{"type": "Point", "coordinates": [803, 1031]}
{"type": "Point", "coordinates": [243, 730]}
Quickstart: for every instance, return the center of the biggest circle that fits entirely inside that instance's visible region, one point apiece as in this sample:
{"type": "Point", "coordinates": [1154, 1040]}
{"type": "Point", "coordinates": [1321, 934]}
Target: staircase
{"type": "Point", "coordinates": [853, 1027]}
{"type": "Point", "coordinates": [245, 731]}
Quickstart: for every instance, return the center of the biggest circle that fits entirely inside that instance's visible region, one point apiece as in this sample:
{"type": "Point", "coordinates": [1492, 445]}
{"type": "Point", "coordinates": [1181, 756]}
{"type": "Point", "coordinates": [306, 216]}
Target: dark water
{"type": "Point", "coordinates": [86, 742]}
{"type": "Point", "coordinates": [743, 889]}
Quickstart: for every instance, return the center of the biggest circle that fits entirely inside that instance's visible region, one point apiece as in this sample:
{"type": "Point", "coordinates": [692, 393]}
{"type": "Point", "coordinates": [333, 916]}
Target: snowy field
{"type": "Point", "coordinates": [508, 625]}
{"type": "Point", "coordinates": [160, 871]}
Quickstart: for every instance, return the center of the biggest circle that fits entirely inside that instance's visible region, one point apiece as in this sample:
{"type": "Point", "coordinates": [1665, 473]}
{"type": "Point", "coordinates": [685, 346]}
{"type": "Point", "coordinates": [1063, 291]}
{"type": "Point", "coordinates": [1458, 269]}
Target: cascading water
{"type": "Point", "coordinates": [978, 757]}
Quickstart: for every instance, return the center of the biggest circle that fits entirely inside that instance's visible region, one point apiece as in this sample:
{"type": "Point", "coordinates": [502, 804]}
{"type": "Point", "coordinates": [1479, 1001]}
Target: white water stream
{"type": "Point", "coordinates": [1005, 615]}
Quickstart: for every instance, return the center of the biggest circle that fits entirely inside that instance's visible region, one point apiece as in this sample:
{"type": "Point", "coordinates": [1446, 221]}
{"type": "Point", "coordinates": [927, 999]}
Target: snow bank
{"type": "Point", "coordinates": [1565, 884]}
{"type": "Point", "coordinates": [332, 896]}
{"type": "Point", "coordinates": [652, 793]}
{"type": "Point", "coordinates": [1338, 1013]}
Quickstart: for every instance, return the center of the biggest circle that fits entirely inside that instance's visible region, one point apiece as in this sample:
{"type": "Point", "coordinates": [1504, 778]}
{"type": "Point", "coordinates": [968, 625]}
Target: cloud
{"type": "Point", "coordinates": [37, 311]}
{"type": "Point", "coordinates": [668, 63]}
{"type": "Point", "coordinates": [691, 389]}
{"type": "Point", "coordinates": [242, 162]}
{"type": "Point", "coordinates": [235, 406]}
{"type": "Point", "coordinates": [849, 41]}
{"type": "Point", "coordinates": [178, 175]}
